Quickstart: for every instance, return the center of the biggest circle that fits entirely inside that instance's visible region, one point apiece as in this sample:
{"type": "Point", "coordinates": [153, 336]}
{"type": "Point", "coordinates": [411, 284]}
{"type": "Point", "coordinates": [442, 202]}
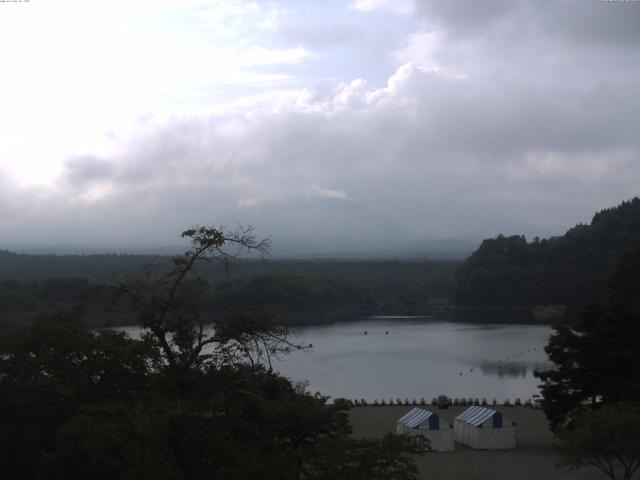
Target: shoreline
{"type": "Point", "coordinates": [17, 319]}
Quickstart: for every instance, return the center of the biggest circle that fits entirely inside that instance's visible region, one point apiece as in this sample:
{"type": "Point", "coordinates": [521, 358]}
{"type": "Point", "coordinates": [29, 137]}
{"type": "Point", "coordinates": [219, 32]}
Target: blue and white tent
{"type": "Point", "coordinates": [484, 429]}
{"type": "Point", "coordinates": [428, 424]}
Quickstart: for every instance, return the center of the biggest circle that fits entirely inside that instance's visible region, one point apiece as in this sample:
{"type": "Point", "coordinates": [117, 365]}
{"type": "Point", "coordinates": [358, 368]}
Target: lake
{"type": "Point", "coordinates": [416, 357]}
{"type": "Point", "coordinates": [413, 357]}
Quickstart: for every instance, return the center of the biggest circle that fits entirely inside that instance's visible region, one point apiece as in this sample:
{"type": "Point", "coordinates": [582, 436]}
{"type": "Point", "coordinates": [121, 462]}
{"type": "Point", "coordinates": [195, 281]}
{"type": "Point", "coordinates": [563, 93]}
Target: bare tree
{"type": "Point", "coordinates": [242, 338]}
{"type": "Point", "coordinates": [164, 301]}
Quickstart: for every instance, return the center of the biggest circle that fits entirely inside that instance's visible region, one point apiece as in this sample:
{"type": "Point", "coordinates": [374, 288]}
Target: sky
{"type": "Point", "coordinates": [125, 122]}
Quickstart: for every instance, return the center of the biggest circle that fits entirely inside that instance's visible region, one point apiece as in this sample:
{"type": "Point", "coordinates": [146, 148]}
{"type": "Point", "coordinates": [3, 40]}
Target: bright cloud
{"type": "Point", "coordinates": [73, 70]}
{"type": "Point", "coordinates": [404, 7]}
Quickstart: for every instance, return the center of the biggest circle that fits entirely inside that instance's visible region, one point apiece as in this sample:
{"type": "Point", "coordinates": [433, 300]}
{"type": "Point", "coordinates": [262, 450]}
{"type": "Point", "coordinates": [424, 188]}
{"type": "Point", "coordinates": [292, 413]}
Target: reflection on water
{"type": "Point", "coordinates": [417, 357]}
{"type": "Point", "coordinates": [503, 368]}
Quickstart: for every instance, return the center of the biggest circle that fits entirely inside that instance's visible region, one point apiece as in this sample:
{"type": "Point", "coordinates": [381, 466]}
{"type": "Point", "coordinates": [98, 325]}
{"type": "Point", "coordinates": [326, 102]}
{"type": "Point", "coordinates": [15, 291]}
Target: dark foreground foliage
{"type": "Point", "coordinates": [597, 361]}
{"type": "Point", "coordinates": [607, 438]}
{"type": "Point", "coordinates": [592, 396]}
{"type": "Point", "coordinates": [182, 402]}
{"type": "Point", "coordinates": [77, 404]}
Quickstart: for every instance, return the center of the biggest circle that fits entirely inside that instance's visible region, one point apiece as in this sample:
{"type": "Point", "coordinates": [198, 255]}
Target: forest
{"type": "Point", "coordinates": [570, 270]}
{"type": "Point", "coordinates": [291, 292]}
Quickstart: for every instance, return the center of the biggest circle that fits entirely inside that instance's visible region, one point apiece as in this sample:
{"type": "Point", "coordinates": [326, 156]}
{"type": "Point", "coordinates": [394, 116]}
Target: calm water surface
{"type": "Point", "coordinates": [419, 358]}
{"type": "Point", "coordinates": [413, 357]}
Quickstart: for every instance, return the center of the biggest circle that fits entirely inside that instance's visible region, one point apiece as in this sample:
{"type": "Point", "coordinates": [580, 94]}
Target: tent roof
{"type": "Point", "coordinates": [415, 417]}
{"type": "Point", "coordinates": [476, 415]}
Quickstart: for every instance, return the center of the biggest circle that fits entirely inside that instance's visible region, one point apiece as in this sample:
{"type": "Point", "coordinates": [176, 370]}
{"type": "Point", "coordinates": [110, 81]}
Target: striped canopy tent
{"type": "Point", "coordinates": [484, 429]}
{"type": "Point", "coordinates": [428, 424]}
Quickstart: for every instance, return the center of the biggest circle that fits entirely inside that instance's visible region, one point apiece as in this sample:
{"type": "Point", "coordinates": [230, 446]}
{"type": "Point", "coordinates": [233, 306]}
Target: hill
{"type": "Point", "coordinates": [572, 269]}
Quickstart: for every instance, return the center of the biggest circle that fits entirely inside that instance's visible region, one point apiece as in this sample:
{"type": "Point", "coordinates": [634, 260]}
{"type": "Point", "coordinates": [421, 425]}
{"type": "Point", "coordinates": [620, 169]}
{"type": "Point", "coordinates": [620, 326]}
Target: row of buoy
{"type": "Point", "coordinates": [462, 402]}
{"type": "Point", "coordinates": [520, 354]}
{"type": "Point", "coordinates": [471, 370]}
{"type": "Point", "coordinates": [506, 358]}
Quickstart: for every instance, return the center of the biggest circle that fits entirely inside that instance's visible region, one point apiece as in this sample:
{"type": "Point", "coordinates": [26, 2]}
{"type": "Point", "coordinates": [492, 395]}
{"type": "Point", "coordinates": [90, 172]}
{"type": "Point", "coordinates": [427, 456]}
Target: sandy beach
{"type": "Point", "coordinates": [535, 457]}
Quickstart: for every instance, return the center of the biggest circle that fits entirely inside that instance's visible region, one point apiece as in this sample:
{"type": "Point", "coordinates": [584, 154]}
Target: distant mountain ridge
{"type": "Point", "coordinates": [572, 269]}
{"type": "Point", "coordinates": [310, 227]}
{"type": "Point", "coordinates": [321, 227]}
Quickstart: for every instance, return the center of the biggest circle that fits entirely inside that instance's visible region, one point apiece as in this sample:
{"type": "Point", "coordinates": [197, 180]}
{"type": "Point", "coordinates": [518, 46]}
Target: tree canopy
{"type": "Point", "coordinates": [290, 291]}
{"type": "Point", "coordinates": [572, 269]}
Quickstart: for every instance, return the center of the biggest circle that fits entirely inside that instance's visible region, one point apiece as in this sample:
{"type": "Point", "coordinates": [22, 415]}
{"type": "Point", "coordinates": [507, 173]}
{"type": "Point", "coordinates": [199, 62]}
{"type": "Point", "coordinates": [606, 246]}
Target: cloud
{"type": "Point", "coordinates": [318, 191]}
{"type": "Point", "coordinates": [87, 169]}
{"type": "Point", "coordinates": [403, 7]}
{"type": "Point", "coordinates": [443, 154]}
{"type": "Point", "coordinates": [464, 17]}
{"type": "Point", "coordinates": [489, 112]}
{"type": "Point", "coordinates": [587, 23]}
{"type": "Point", "coordinates": [232, 18]}
{"type": "Point", "coordinates": [266, 56]}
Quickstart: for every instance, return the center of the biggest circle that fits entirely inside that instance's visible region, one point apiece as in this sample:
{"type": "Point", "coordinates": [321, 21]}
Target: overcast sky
{"type": "Point", "coordinates": [130, 120]}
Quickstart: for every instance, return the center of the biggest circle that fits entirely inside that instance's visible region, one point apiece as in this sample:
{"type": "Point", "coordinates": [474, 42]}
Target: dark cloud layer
{"type": "Point", "coordinates": [588, 22]}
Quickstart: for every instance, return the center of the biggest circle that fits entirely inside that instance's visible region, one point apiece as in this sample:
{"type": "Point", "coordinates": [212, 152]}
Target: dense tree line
{"type": "Point", "coordinates": [374, 274]}
{"type": "Point", "coordinates": [46, 295]}
{"type": "Point", "coordinates": [290, 291]}
{"type": "Point", "coordinates": [21, 266]}
{"type": "Point", "coordinates": [569, 270]}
